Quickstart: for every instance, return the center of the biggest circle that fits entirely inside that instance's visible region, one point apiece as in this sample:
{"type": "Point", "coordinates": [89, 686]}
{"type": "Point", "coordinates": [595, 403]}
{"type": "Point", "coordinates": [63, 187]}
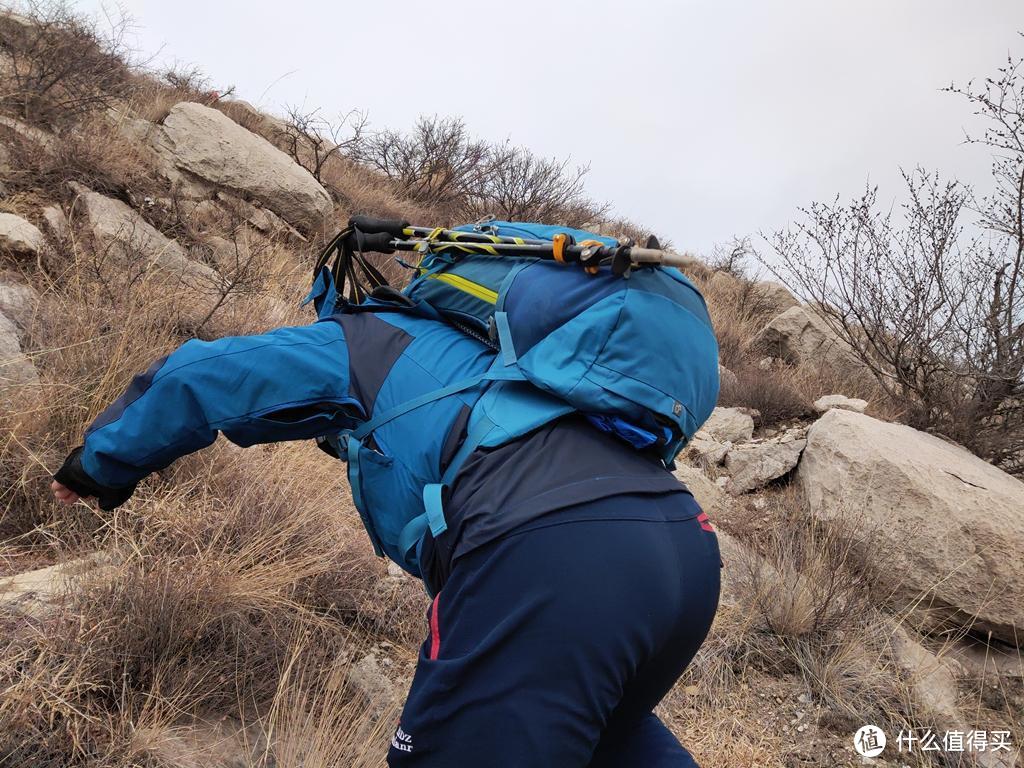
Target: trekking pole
{"type": "Point", "coordinates": [586, 255]}
{"type": "Point", "coordinates": [386, 236]}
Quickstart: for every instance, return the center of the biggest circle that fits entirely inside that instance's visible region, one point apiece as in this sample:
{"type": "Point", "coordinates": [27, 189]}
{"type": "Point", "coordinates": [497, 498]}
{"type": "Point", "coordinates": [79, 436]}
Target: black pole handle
{"type": "Point", "coordinates": [371, 225]}
{"type": "Point", "coordinates": [379, 242]}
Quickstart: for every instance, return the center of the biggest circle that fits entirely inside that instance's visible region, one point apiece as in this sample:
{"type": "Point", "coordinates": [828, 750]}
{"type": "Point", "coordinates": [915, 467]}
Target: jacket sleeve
{"type": "Point", "coordinates": [289, 384]}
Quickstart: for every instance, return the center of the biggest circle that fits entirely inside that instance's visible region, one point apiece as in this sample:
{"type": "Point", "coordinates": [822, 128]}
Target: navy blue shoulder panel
{"type": "Point", "coordinates": [373, 348]}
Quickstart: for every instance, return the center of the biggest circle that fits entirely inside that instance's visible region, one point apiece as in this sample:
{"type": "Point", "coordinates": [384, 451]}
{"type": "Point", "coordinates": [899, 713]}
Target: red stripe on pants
{"type": "Point", "coordinates": [435, 630]}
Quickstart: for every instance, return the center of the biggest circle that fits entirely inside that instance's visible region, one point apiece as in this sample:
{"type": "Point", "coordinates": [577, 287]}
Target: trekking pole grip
{"type": "Point", "coordinates": [371, 225]}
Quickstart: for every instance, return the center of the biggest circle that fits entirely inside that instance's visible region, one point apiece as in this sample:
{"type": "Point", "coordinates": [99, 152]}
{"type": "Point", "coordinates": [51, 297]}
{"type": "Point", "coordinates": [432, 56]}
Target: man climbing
{"type": "Point", "coordinates": [573, 577]}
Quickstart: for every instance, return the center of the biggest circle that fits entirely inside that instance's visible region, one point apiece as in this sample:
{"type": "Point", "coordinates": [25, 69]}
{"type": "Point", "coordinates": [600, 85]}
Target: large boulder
{"type": "Point", "coordinates": [19, 237]}
{"type": "Point", "coordinates": [949, 525]}
{"type": "Point", "coordinates": [776, 295]}
{"type": "Point", "coordinates": [799, 335]}
{"type": "Point", "coordinates": [120, 232]}
{"type": "Point", "coordinates": [212, 147]}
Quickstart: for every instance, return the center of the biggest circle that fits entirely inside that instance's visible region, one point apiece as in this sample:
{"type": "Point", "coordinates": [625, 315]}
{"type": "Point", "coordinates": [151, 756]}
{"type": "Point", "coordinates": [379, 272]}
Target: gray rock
{"type": "Point", "coordinates": [18, 303]}
{"type": "Point", "coordinates": [707, 450]}
{"type": "Point", "coordinates": [19, 237]}
{"type": "Point", "coordinates": [949, 526]}
{"type": "Point", "coordinates": [932, 683]}
{"type": "Point", "coordinates": [828, 402]}
{"type": "Point", "coordinates": [727, 377]}
{"type": "Point", "coordinates": [776, 294]}
{"type": "Point", "coordinates": [710, 497]}
{"type": "Point", "coordinates": [933, 687]}
{"type": "Point", "coordinates": [367, 677]}
{"type": "Point", "coordinates": [55, 223]}
{"type": "Point", "coordinates": [727, 425]}
{"type": "Point", "coordinates": [123, 233]}
{"type": "Point", "coordinates": [799, 335]}
{"type": "Point", "coordinates": [35, 592]}
{"type": "Point", "coordinates": [16, 370]}
{"type": "Point", "coordinates": [44, 141]}
{"type": "Point", "coordinates": [754, 465]}
{"type": "Point", "coordinates": [210, 146]}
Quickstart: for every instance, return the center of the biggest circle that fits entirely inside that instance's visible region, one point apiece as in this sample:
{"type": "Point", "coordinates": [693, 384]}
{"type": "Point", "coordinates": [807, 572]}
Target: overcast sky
{"type": "Point", "coordinates": [701, 120]}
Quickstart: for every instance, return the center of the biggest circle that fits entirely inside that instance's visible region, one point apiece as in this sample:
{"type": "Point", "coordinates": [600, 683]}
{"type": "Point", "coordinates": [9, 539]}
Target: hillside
{"type": "Point", "coordinates": [233, 613]}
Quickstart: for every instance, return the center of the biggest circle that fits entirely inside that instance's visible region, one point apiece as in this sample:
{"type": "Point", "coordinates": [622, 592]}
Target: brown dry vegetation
{"type": "Point", "coordinates": [233, 594]}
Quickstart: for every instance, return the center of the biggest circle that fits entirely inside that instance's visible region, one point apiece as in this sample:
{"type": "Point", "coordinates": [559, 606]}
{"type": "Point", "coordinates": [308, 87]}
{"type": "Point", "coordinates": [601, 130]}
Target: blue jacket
{"type": "Point", "coordinates": [328, 378]}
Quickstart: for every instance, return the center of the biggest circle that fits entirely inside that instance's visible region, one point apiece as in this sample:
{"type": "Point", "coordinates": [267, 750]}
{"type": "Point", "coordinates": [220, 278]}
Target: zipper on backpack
{"type": "Point", "coordinates": [476, 290]}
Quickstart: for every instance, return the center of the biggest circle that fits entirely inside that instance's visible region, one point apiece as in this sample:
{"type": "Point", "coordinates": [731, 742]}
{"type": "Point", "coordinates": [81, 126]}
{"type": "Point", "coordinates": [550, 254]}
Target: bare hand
{"type": "Point", "coordinates": [63, 494]}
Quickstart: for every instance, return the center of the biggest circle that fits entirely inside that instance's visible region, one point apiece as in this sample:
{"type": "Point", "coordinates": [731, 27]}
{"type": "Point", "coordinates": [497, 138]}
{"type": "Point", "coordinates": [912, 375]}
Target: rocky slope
{"type": "Point", "coordinates": [233, 614]}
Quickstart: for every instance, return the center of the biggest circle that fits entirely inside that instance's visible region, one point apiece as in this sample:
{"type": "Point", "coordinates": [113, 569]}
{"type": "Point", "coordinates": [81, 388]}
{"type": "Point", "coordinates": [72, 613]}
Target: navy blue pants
{"type": "Point", "coordinates": [551, 646]}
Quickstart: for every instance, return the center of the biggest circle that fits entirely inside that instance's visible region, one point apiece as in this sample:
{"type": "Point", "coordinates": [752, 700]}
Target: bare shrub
{"type": "Point", "coordinates": [771, 392]}
{"type": "Point", "coordinates": [441, 167]}
{"type": "Point", "coordinates": [96, 153]}
{"type": "Point", "coordinates": [732, 257]}
{"type": "Point", "coordinates": [903, 298]}
{"type": "Point", "coordinates": [738, 312]}
{"type": "Point", "coordinates": [520, 186]}
{"type": "Point", "coordinates": [241, 267]}
{"type": "Point", "coordinates": [936, 316]}
{"type": "Point", "coordinates": [62, 64]}
{"type": "Point", "coordinates": [437, 164]}
{"type": "Point", "coordinates": [626, 229]}
{"type": "Point", "coordinates": [807, 579]}
{"type": "Point", "coordinates": [312, 140]}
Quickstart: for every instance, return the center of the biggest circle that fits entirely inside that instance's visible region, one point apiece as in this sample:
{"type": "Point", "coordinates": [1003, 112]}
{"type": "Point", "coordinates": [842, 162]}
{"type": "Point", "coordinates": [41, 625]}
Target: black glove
{"type": "Point", "coordinates": [74, 477]}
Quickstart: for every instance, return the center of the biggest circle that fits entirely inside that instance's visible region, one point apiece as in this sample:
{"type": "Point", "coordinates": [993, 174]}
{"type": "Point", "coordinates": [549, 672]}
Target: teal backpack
{"type": "Point", "coordinates": [579, 322]}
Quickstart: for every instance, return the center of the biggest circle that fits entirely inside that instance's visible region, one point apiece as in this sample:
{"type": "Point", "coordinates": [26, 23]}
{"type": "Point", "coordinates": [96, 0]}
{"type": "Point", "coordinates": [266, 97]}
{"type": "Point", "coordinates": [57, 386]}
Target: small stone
{"type": "Point", "coordinates": [367, 678]}
{"type": "Point", "coordinates": [55, 222]}
{"type": "Point", "coordinates": [18, 302]}
{"type": "Point", "coordinates": [18, 236]}
{"type": "Point", "coordinates": [828, 402]}
{"type": "Point", "coordinates": [726, 377]}
{"type": "Point", "coordinates": [727, 425]}
{"type": "Point", "coordinates": [754, 465]}
{"type": "Point", "coordinates": [707, 450]}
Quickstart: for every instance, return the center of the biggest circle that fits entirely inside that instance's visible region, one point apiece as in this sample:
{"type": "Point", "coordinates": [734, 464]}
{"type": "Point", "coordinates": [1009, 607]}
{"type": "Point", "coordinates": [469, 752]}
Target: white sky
{"type": "Point", "coordinates": [701, 120]}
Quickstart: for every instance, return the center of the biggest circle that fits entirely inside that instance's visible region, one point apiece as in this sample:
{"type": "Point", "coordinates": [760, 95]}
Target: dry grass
{"type": "Point", "coordinates": [218, 571]}
{"type": "Point", "coordinates": [241, 588]}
